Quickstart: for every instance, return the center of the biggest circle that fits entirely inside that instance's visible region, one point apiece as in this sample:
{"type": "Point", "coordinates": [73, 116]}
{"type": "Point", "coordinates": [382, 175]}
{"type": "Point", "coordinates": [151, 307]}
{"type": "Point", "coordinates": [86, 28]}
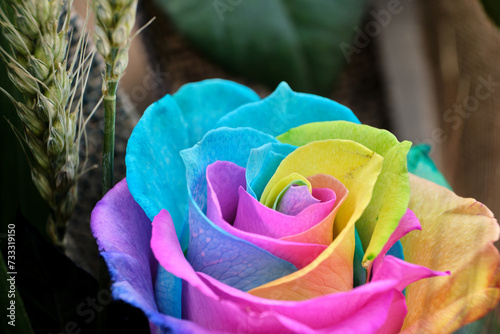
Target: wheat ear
{"type": "Point", "coordinates": [38, 33]}
{"type": "Point", "coordinates": [114, 22]}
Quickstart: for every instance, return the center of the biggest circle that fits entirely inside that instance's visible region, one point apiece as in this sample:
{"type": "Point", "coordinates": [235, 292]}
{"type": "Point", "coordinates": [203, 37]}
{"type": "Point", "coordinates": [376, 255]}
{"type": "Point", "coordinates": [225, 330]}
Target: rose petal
{"type": "Point", "coordinates": [322, 232]}
{"type": "Point", "coordinates": [209, 244]}
{"type": "Point", "coordinates": [391, 192]}
{"type": "Point", "coordinates": [295, 199]}
{"type": "Point", "coordinates": [364, 309]}
{"type": "Point", "coordinates": [397, 314]}
{"type": "Point", "coordinates": [130, 260]}
{"type": "Point", "coordinates": [201, 304]}
{"type": "Point", "coordinates": [458, 235]}
{"type": "Point", "coordinates": [407, 273]}
{"type": "Point", "coordinates": [218, 306]}
{"type": "Point", "coordinates": [269, 198]}
{"type": "Point", "coordinates": [420, 164]}
{"type": "Point", "coordinates": [215, 97]}
{"type": "Point", "coordinates": [155, 171]}
{"type": "Point", "coordinates": [224, 191]}
{"type": "Point", "coordinates": [222, 144]}
{"type": "Point", "coordinates": [357, 168]}
{"type": "Point", "coordinates": [408, 223]}
{"type": "Point", "coordinates": [261, 165]}
{"type": "Point", "coordinates": [256, 218]}
{"type": "Point", "coordinates": [284, 109]}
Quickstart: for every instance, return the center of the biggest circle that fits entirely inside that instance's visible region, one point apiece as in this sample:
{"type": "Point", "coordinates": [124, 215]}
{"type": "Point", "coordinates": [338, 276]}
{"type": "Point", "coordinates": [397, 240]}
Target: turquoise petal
{"type": "Point", "coordinates": [262, 164]}
{"type": "Point", "coordinates": [204, 103]}
{"type": "Point", "coordinates": [420, 164]}
{"type": "Point", "coordinates": [212, 250]}
{"type": "Point", "coordinates": [285, 109]}
{"type": "Point", "coordinates": [155, 171]}
{"type": "Point", "coordinates": [359, 272]}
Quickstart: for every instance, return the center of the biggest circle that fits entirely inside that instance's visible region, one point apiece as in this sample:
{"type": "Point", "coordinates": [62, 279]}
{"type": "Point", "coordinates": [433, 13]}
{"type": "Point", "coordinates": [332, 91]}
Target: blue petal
{"type": "Point", "coordinates": [168, 289]}
{"type": "Point", "coordinates": [397, 251]}
{"type": "Point", "coordinates": [262, 164]}
{"type": "Point", "coordinates": [212, 250]}
{"type": "Point", "coordinates": [155, 171]}
{"type": "Point", "coordinates": [204, 103]}
{"type": "Point", "coordinates": [284, 109]}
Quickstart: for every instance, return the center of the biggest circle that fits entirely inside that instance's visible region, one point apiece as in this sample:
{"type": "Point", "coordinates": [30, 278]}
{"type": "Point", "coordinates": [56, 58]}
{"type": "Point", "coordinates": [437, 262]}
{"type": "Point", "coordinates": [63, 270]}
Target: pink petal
{"type": "Point", "coordinates": [217, 306]}
{"type": "Point", "coordinates": [322, 232]}
{"type": "Point", "coordinates": [405, 272]}
{"type": "Point", "coordinates": [298, 254]}
{"type": "Point", "coordinates": [409, 222]}
{"type": "Point", "coordinates": [254, 217]}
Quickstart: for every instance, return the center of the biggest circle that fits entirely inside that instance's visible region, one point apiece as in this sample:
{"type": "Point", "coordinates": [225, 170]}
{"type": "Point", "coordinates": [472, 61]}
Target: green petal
{"type": "Point", "coordinates": [392, 190]}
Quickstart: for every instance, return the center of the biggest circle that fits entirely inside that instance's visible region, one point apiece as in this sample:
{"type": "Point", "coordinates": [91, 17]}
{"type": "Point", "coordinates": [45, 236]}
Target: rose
{"type": "Point", "coordinates": [155, 176]}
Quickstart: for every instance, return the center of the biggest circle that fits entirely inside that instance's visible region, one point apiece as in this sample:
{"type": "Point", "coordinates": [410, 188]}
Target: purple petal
{"type": "Point", "coordinates": [123, 233]}
{"type": "Point", "coordinates": [296, 199]}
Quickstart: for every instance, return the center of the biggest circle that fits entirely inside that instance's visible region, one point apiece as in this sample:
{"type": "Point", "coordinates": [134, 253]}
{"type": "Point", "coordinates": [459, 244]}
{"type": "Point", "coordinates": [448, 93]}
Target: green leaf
{"type": "Point", "coordinates": [19, 320]}
{"type": "Point", "coordinates": [297, 41]}
{"type": "Point", "coordinates": [492, 7]}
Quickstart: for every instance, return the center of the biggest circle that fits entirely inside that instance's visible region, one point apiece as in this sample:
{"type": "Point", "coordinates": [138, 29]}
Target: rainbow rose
{"type": "Point", "coordinates": [286, 215]}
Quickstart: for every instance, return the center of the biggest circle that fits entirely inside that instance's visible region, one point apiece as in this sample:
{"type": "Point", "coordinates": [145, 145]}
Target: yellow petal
{"type": "Point", "coordinates": [357, 168]}
{"type": "Point", "coordinates": [270, 197]}
{"type": "Point", "coordinates": [392, 191]}
{"type": "Point", "coordinates": [457, 235]}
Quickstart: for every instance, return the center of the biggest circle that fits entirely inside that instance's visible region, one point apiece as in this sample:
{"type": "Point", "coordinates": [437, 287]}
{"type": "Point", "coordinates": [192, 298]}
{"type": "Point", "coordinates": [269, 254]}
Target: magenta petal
{"type": "Point", "coordinates": [397, 314]}
{"type": "Point", "coordinates": [217, 306]}
{"type": "Point", "coordinates": [362, 310]}
{"type": "Point", "coordinates": [409, 222]}
{"type": "Point", "coordinates": [200, 304]}
{"type": "Point", "coordinates": [405, 272]}
{"type": "Point", "coordinates": [255, 217]}
{"type": "Point", "coordinates": [295, 199]}
{"type": "Point", "coordinates": [223, 192]}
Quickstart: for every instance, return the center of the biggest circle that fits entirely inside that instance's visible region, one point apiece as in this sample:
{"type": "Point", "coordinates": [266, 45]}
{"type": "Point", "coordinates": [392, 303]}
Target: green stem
{"type": "Point", "coordinates": [108, 150]}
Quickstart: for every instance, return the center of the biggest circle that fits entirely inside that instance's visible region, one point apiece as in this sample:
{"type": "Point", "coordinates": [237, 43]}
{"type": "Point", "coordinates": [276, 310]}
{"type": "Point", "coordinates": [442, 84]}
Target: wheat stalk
{"type": "Point", "coordinates": [114, 22]}
{"type": "Point", "coordinates": [38, 34]}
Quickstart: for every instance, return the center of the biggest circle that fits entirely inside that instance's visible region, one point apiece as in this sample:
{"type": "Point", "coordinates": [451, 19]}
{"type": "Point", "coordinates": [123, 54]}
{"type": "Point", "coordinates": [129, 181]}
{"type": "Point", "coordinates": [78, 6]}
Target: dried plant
{"type": "Point", "coordinates": [37, 32]}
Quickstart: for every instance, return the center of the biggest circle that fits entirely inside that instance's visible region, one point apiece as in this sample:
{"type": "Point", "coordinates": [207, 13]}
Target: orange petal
{"type": "Point", "coordinates": [457, 235]}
